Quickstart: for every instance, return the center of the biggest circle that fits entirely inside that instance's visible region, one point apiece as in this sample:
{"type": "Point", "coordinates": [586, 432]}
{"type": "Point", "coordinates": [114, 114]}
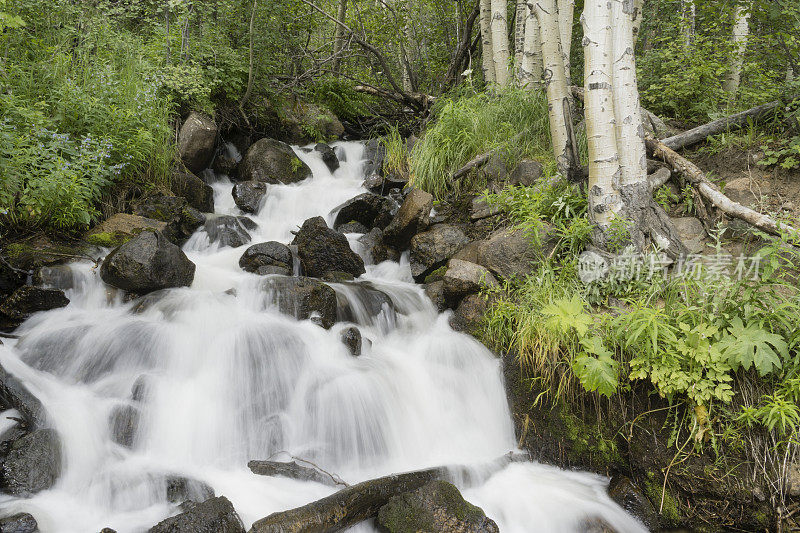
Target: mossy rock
{"type": "Point", "coordinates": [41, 251]}
{"type": "Point", "coordinates": [120, 228]}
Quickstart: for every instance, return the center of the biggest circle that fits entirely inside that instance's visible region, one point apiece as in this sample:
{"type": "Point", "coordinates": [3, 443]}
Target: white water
{"type": "Point", "coordinates": [231, 380]}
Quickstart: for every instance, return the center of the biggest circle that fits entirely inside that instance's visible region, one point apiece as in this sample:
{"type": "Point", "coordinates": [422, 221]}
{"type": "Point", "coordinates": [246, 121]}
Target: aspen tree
{"type": "Point", "coordinates": [531, 70]}
{"type": "Point", "coordinates": [500, 41]}
{"type": "Point", "coordinates": [520, 18]}
{"type": "Point", "coordinates": [486, 41]}
{"type": "Point", "coordinates": [338, 36]}
{"type": "Point", "coordinates": [566, 14]}
{"type": "Point", "coordinates": [741, 33]}
{"type": "Point", "coordinates": [637, 19]}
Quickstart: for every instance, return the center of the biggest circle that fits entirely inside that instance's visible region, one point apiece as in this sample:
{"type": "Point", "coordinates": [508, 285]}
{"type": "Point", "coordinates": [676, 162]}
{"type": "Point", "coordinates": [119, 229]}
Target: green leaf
{"type": "Point", "coordinates": [565, 314]}
{"type": "Point", "coordinates": [751, 345]}
{"type": "Point", "coordinates": [596, 372]}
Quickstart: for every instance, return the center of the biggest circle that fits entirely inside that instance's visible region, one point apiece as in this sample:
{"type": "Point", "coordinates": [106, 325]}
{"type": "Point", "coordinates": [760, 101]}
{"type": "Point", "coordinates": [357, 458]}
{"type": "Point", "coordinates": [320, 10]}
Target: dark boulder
{"type": "Point", "coordinates": [433, 248]}
{"type": "Point", "coordinates": [229, 230]}
{"type": "Point", "coordinates": [511, 253]}
{"type": "Point", "coordinates": [147, 263]}
{"type": "Point", "coordinates": [267, 258]}
{"type": "Point", "coordinates": [182, 489]}
{"type": "Point", "coordinates": [369, 209]}
{"type": "Point", "coordinates": [623, 491]}
{"type": "Point", "coordinates": [328, 156]}
{"type": "Point", "coordinates": [197, 192]}
{"type": "Point", "coordinates": [353, 227]}
{"type": "Point", "coordinates": [413, 217]}
{"type": "Point", "coordinates": [28, 300]}
{"type": "Point", "coordinates": [303, 298]}
{"type": "Point", "coordinates": [248, 195]}
{"type": "Point", "coordinates": [181, 218]}
{"type": "Point", "coordinates": [463, 278]}
{"type": "Point", "coordinates": [124, 422]}
{"type": "Point", "coordinates": [196, 140]}
{"type": "Point", "coordinates": [120, 228]}
{"type": "Point", "coordinates": [54, 277]}
{"type": "Point", "coordinates": [291, 470]}
{"type": "Point", "coordinates": [13, 393]}
{"type": "Point", "coordinates": [215, 515]}
{"type": "Point", "coordinates": [10, 278]}
{"type": "Point", "coordinates": [375, 249]}
{"type": "Point", "coordinates": [33, 464]}
{"type": "Point", "coordinates": [322, 249]}
{"type": "Point", "coordinates": [351, 338]}
{"type": "Point", "coordinates": [526, 173]}
{"type": "Point", "coordinates": [433, 508]}
{"type": "Point", "coordinates": [384, 185]}
{"type": "Point", "coordinates": [271, 161]}
{"type": "Point", "coordinates": [225, 163]}
{"type": "Point", "coordinates": [469, 314]}
{"type": "Point", "coordinates": [374, 156]}
{"type": "Point", "coordinates": [19, 523]}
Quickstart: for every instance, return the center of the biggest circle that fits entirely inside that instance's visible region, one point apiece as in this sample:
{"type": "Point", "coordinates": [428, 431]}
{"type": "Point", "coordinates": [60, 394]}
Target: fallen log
{"type": "Point", "coordinates": [422, 101]}
{"type": "Point", "coordinates": [360, 502]}
{"type": "Point", "coordinates": [732, 122]}
{"type": "Point", "coordinates": [713, 194]}
{"type": "Point", "coordinates": [294, 471]}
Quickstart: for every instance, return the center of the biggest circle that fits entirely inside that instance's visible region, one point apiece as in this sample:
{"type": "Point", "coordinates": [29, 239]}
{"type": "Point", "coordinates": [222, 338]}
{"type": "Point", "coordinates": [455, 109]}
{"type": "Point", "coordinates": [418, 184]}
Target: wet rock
{"type": "Point", "coordinates": [351, 338]}
{"type": "Point", "coordinates": [435, 507]}
{"type": "Point", "coordinates": [374, 155]}
{"type": "Point", "coordinates": [197, 192]}
{"type": "Point", "coordinates": [353, 227]}
{"type": "Point", "coordinates": [291, 470]}
{"type": "Point", "coordinates": [623, 491]}
{"type": "Point", "coordinates": [225, 163]}
{"type": "Point", "coordinates": [526, 173]}
{"type": "Point", "coordinates": [181, 218]}
{"type": "Point", "coordinates": [32, 253]}
{"type": "Point", "coordinates": [33, 464]}
{"type": "Point", "coordinates": [469, 314]}
{"type": "Point", "coordinates": [141, 388]}
{"type": "Point", "coordinates": [463, 278]}
{"type": "Point", "coordinates": [337, 277]}
{"type": "Point", "coordinates": [305, 122]}
{"type": "Point", "coordinates": [267, 258]}
{"type": "Point", "coordinates": [271, 161]}
{"type": "Point", "coordinates": [303, 298]}
{"type": "Point", "coordinates": [147, 263]}
{"type": "Point", "coordinates": [328, 156]}
{"type": "Point", "coordinates": [182, 489]}
{"type": "Point", "coordinates": [435, 291]}
{"type": "Point", "coordinates": [14, 394]}
{"type": "Point", "coordinates": [54, 277]}
{"type": "Point", "coordinates": [248, 195]}
{"type": "Point", "coordinates": [120, 228]}
{"type": "Point", "coordinates": [10, 278]}
{"type": "Point", "coordinates": [364, 304]}
{"type": "Point", "coordinates": [322, 249]}
{"type": "Point", "coordinates": [480, 209]}
{"type": "Point", "coordinates": [124, 422]}
{"type": "Point", "coordinates": [511, 253]}
{"type": "Point", "coordinates": [596, 525]}
{"type": "Point", "coordinates": [369, 209]}
{"type": "Point", "coordinates": [375, 249]}
{"type": "Point", "coordinates": [19, 523]}
{"type": "Point", "coordinates": [691, 232]}
{"type": "Point", "coordinates": [28, 300]}
{"type": "Point", "coordinates": [229, 230]}
{"type": "Point", "coordinates": [107, 530]}
{"type": "Point", "coordinates": [413, 217]}
{"type": "Point", "coordinates": [385, 185]}
{"type": "Point", "coordinates": [433, 248]}
{"type": "Point", "coordinates": [196, 140]}
{"type": "Point", "coordinates": [215, 515]}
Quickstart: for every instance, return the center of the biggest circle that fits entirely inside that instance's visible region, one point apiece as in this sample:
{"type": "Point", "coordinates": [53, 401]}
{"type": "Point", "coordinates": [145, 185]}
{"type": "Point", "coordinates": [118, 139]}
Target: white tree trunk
{"type": "Point", "coordinates": [688, 12]}
{"type": "Point", "coordinates": [500, 41]}
{"type": "Point", "coordinates": [637, 19]}
{"type": "Point", "coordinates": [789, 73]}
{"type": "Point", "coordinates": [531, 71]}
{"type": "Point", "coordinates": [520, 18]}
{"type": "Point", "coordinates": [338, 36]}
{"type": "Point", "coordinates": [741, 33]}
{"type": "Point", "coordinates": [566, 14]}
{"type": "Point", "coordinates": [604, 169]}
{"type": "Point", "coordinates": [486, 40]}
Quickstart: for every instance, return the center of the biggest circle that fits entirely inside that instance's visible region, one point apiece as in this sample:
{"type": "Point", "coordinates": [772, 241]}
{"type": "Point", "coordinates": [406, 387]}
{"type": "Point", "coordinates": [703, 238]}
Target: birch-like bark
{"type": "Point", "coordinates": [741, 33]}
{"type": "Point", "coordinates": [566, 14]}
{"type": "Point", "coordinates": [604, 168]}
{"type": "Point", "coordinates": [637, 19]}
{"type": "Point", "coordinates": [531, 71]}
{"type": "Point", "coordinates": [520, 18]}
{"type": "Point", "coordinates": [338, 36]}
{"type": "Point", "coordinates": [500, 41]}
{"type": "Point", "coordinates": [688, 12]}
{"type": "Point", "coordinates": [487, 51]}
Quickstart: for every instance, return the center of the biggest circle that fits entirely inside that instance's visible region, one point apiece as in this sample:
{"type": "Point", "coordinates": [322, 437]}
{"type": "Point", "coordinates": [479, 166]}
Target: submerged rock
{"type": "Point", "coordinates": [267, 258]}
{"type": "Point", "coordinates": [271, 161]}
{"type": "Point", "coordinates": [19, 523]}
{"type": "Point", "coordinates": [304, 299]}
{"type": "Point", "coordinates": [291, 470]}
{"type": "Point", "coordinates": [433, 248]}
{"type": "Point", "coordinates": [413, 217]}
{"type": "Point", "coordinates": [248, 195]}
{"type": "Point", "coordinates": [351, 338]}
{"type": "Point", "coordinates": [147, 263]}
{"type": "Point", "coordinates": [215, 515]}
{"type": "Point", "coordinates": [14, 394]}
{"type": "Point", "coordinates": [228, 230]}
{"type": "Point", "coordinates": [33, 464]}
{"type": "Point", "coordinates": [434, 508]}
{"type": "Point", "coordinates": [28, 300]}
{"type": "Point", "coordinates": [375, 249]}
{"type": "Point", "coordinates": [322, 249]}
{"type": "Point", "coordinates": [369, 209]}
{"type": "Point", "coordinates": [197, 192]}
{"type": "Point", "coordinates": [328, 156]}
{"type": "Point", "coordinates": [124, 422]}
{"type": "Point", "coordinates": [54, 277]}
{"type": "Point", "coordinates": [120, 228]}
{"type": "Point", "coordinates": [196, 140]}
{"type": "Point", "coordinates": [183, 489]}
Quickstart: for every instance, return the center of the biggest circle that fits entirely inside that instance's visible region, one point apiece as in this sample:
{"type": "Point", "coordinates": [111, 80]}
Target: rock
{"type": "Point", "coordinates": [215, 515]}
{"type": "Point", "coordinates": [384, 185]}
{"type": "Point", "coordinates": [271, 161]}
{"type": "Point", "coordinates": [337, 277]}
{"type": "Point", "coordinates": [413, 217]}
{"type": "Point", "coordinates": [322, 249]}
{"type": "Point", "coordinates": [14, 394]}
{"type": "Point", "coordinates": [375, 249]}
{"type": "Point", "coordinates": [54, 277]}
{"type": "Point", "coordinates": [147, 263]}
{"type": "Point", "coordinates": [182, 489]}
{"type": "Point", "coordinates": [124, 421]}
{"type": "Point", "coordinates": [463, 278]}
{"type": "Point", "coordinates": [526, 173]}
{"type": "Point", "coordinates": [304, 122]}
{"type": "Point", "coordinates": [691, 232]}
{"type": "Point", "coordinates": [181, 218]}
{"type": "Point", "coordinates": [196, 140]}
{"type": "Point", "coordinates": [28, 300]}
{"type": "Point", "coordinates": [469, 314]}
{"type": "Point", "coordinates": [19, 523]}
{"type": "Point", "coordinates": [364, 304]}
{"type": "Point", "coordinates": [793, 480]}
{"type": "Point", "coordinates": [623, 491]}
{"type": "Point", "coordinates": [469, 252]}
{"type": "Point", "coordinates": [328, 156]}
{"type": "Point", "coordinates": [141, 388]}
{"type": "Point", "coordinates": [353, 227]}
{"type": "Point", "coordinates": [267, 258]}
{"type": "Point", "coordinates": [227, 160]}
{"type": "Point", "coordinates": [433, 508]}
{"type": "Point", "coordinates": [291, 470]}
{"type": "Point", "coordinates": [33, 464]}
{"type": "Point", "coordinates": [351, 338]}
{"type": "Point", "coordinates": [25, 256]}
{"type": "Point", "coordinates": [374, 156]}
{"type": "Point", "coordinates": [369, 209]}
{"type": "Point", "coordinates": [510, 253]}
{"type": "Point", "coordinates": [433, 248]}
{"type": "Point", "coordinates": [120, 228]}
{"type": "Point", "coordinates": [248, 195]}
{"type": "Point", "coordinates": [10, 278]}
{"type": "Point", "coordinates": [480, 209]}
{"type": "Point", "coordinates": [496, 169]}
{"type": "Point", "coordinates": [229, 230]}
{"type": "Point", "coordinates": [435, 291]}
{"type": "Point", "coordinates": [303, 298]}
{"type": "Point", "coordinates": [596, 525]}
{"type": "Point", "coordinates": [745, 191]}
{"type": "Point", "coordinates": [198, 193]}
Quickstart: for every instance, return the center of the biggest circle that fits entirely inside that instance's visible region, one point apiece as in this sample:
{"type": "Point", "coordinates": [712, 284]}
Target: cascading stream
{"type": "Point", "coordinates": [221, 378]}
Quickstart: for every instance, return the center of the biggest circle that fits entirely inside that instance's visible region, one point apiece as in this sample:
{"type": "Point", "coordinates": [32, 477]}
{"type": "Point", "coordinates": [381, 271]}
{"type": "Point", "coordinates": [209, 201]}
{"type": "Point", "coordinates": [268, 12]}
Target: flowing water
{"type": "Point", "coordinates": [222, 378]}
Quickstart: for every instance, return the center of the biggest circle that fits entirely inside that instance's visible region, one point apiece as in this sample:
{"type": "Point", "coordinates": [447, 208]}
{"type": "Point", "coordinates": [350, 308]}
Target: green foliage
{"type": "Point", "coordinates": [750, 345]}
{"type": "Point", "coordinates": [785, 154]}
{"type": "Point", "coordinates": [396, 162]}
{"type": "Point", "coordinates": [338, 95]}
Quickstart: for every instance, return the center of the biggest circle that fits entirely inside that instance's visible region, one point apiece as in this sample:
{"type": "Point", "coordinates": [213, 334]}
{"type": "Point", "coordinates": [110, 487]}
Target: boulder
{"type": "Point", "coordinates": [375, 249]}
{"type": "Point", "coordinates": [433, 508]}
{"type": "Point", "coordinates": [691, 232]}
{"type": "Point", "coordinates": [374, 156]}
{"type": "Point", "coordinates": [328, 156]}
{"type": "Point", "coordinates": [745, 191]}
{"type": "Point", "coordinates": [14, 394]}
{"type": "Point", "coordinates": [248, 195]}
{"type": "Point", "coordinates": [469, 314]}
{"type": "Point", "coordinates": [496, 169]}
{"type": "Point", "coordinates": [28, 300]}
{"type": "Point", "coordinates": [181, 218]}
{"type": "Point", "coordinates": [351, 338]}
{"type": "Point", "coordinates": [303, 298]}
{"type": "Point", "coordinates": [364, 304]}
{"type": "Point", "coordinates": [304, 122]}
{"type": "Point", "coordinates": [33, 464]}
{"type": "Point", "coordinates": [54, 277]}
{"type": "Point", "coordinates": [378, 184]}
{"type": "Point", "coordinates": [322, 249]}
{"type": "Point", "coordinates": [369, 209]}
{"type": "Point", "coordinates": [291, 470]}
{"type": "Point", "coordinates": [435, 292]}
{"type": "Point", "coordinates": [463, 278]}
{"type": "Point", "coordinates": [510, 253]}
{"type": "Point", "coordinates": [353, 227]}
{"type": "Point", "coordinates": [19, 523]}
{"type": "Point", "coordinates": [10, 278]}
{"type": "Point", "coordinates": [413, 217]}
{"type": "Point", "coordinates": [433, 248]}
{"type": "Point", "coordinates": [480, 209]}
{"type": "Point", "coordinates": [332, 276]}
{"type": "Point", "coordinates": [267, 258]}
{"type": "Point", "coordinates": [147, 263]}
{"type": "Point", "coordinates": [197, 192]}
{"type": "Point", "coordinates": [120, 228]}
{"type": "Point", "coordinates": [271, 161]}
{"type": "Point", "coordinates": [182, 489]}
{"type": "Point", "coordinates": [25, 256]}
{"type": "Point", "coordinates": [215, 515]}
{"type": "Point", "coordinates": [124, 422]}
{"type": "Point", "coordinates": [526, 173]}
{"type": "Point", "coordinates": [196, 140]}
{"type": "Point", "coordinates": [623, 491]}
{"type": "Point", "coordinates": [229, 230]}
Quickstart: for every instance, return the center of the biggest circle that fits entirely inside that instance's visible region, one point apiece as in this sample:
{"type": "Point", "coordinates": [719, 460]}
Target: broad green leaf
{"type": "Point", "coordinates": [751, 345]}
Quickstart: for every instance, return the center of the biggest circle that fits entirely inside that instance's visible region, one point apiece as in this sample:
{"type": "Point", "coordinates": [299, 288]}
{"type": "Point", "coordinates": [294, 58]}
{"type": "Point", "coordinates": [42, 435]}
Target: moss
{"type": "Point", "coordinates": [671, 510]}
{"type": "Point", "coordinates": [108, 239]}
{"type": "Point", "coordinates": [588, 441]}
{"type": "Point", "coordinates": [436, 275]}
